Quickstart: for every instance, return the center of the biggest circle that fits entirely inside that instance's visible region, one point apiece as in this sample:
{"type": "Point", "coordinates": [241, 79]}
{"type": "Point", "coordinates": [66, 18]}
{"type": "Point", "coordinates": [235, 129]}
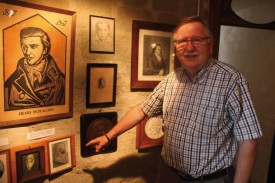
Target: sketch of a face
{"type": "Point", "coordinates": [33, 49]}
{"type": "Point", "coordinates": [102, 30]}
{"type": "Point", "coordinates": [29, 161]}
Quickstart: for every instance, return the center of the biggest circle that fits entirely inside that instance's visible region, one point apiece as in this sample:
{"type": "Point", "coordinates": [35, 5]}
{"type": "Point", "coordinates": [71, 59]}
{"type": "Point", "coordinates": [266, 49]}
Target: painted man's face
{"type": "Point", "coordinates": [102, 31]}
{"type": "Point", "coordinates": [33, 49]}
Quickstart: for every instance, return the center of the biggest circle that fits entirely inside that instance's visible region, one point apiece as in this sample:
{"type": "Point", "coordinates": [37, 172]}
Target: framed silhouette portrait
{"type": "Point", "coordinates": [93, 126]}
{"type": "Point", "coordinates": [152, 54]}
{"type": "Point", "coordinates": [37, 55]}
{"type": "Point", "coordinates": [5, 171]}
{"type": "Point", "coordinates": [101, 85]}
{"type": "Point", "coordinates": [149, 133]}
{"type": "Point", "coordinates": [61, 154]}
{"type": "Point", "coordinates": [102, 34]}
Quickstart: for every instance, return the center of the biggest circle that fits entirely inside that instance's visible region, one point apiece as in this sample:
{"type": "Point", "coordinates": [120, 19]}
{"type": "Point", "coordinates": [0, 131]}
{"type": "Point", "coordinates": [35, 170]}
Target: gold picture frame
{"type": "Point", "coordinates": [35, 89]}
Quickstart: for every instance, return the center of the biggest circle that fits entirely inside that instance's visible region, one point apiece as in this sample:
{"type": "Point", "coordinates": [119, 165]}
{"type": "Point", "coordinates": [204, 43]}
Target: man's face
{"type": "Point", "coordinates": [33, 49]}
{"type": "Point", "coordinates": [193, 58]}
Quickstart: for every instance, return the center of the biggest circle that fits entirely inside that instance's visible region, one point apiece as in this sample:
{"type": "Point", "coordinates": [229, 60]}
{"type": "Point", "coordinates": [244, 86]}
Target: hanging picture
{"type": "Point", "coordinates": [37, 55]}
{"type": "Point", "coordinates": [149, 133]}
{"type": "Point", "coordinates": [61, 153]}
{"type": "Point", "coordinates": [5, 173]}
{"type": "Point", "coordinates": [102, 34]}
{"type": "Point", "coordinates": [29, 161]}
{"type": "Point", "coordinates": [101, 85]}
{"type": "Point", "coordinates": [93, 126]}
{"type": "Point", "coordinates": [152, 54]}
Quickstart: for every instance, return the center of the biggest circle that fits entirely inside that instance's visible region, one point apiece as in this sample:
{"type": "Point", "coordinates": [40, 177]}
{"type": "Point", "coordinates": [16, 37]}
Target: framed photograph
{"type": "Point", "coordinates": [149, 133]}
{"type": "Point", "coordinates": [29, 161]}
{"type": "Point", "coordinates": [61, 154]}
{"type": "Point", "coordinates": [5, 171]}
{"type": "Point", "coordinates": [102, 34]}
{"type": "Point", "coordinates": [36, 83]}
{"type": "Point", "coordinates": [101, 85]}
{"type": "Point", "coordinates": [93, 126]}
{"type": "Point", "coordinates": [152, 54]}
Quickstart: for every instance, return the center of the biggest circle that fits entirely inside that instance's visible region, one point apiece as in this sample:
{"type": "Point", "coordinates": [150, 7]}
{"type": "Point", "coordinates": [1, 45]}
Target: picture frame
{"type": "Point", "coordinates": [148, 40]}
{"type": "Point", "coordinates": [5, 170]}
{"type": "Point", "coordinates": [29, 161]}
{"type": "Point", "coordinates": [149, 133]}
{"type": "Point", "coordinates": [61, 154]}
{"type": "Point", "coordinates": [23, 100]}
{"type": "Point", "coordinates": [101, 34]}
{"type": "Point", "coordinates": [94, 125]}
{"type": "Point", "coordinates": [101, 85]}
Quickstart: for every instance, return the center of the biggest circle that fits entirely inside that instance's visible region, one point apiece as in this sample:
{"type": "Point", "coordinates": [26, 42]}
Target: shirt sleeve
{"type": "Point", "coordinates": [152, 106]}
{"type": "Point", "coordinates": [241, 110]}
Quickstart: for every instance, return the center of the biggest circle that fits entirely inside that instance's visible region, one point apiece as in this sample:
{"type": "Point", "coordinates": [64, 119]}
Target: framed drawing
{"type": "Point", "coordinates": [152, 54]}
{"type": "Point", "coordinates": [101, 85]}
{"type": "Point", "coordinates": [30, 164]}
{"type": "Point", "coordinates": [5, 171]}
{"type": "Point", "coordinates": [61, 154]}
{"type": "Point", "coordinates": [102, 34]}
{"type": "Point", "coordinates": [29, 161]}
{"type": "Point", "coordinates": [149, 133]}
{"type": "Point", "coordinates": [36, 83]}
{"type": "Point", "coordinates": [93, 126]}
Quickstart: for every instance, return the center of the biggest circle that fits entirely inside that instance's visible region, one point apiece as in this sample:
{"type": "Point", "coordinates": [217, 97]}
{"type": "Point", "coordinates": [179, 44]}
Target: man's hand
{"type": "Point", "coordinates": [99, 143]}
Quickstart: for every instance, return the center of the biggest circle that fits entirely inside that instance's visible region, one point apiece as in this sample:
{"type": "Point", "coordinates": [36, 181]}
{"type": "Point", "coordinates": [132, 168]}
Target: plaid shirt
{"type": "Point", "coordinates": [203, 119]}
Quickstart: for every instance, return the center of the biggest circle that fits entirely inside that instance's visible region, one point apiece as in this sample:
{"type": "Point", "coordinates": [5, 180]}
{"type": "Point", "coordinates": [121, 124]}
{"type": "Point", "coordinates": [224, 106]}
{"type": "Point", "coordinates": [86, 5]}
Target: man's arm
{"type": "Point", "coordinates": [131, 118]}
{"type": "Point", "coordinates": [245, 161]}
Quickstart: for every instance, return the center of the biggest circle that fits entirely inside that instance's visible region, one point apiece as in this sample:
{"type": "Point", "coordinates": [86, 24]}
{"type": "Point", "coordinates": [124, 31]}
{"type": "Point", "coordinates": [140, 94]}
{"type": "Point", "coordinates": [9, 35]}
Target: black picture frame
{"type": "Point", "coordinates": [105, 42]}
{"type": "Point", "coordinates": [101, 85]}
{"type": "Point", "coordinates": [94, 125]}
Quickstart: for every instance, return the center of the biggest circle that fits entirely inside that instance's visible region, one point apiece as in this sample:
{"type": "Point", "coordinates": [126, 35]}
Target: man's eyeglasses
{"type": "Point", "coordinates": [198, 41]}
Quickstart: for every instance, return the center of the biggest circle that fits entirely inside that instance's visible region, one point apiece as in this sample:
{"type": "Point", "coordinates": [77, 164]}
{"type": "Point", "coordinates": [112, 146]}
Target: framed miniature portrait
{"type": "Point", "coordinates": [61, 154]}
{"type": "Point", "coordinates": [102, 34]}
{"type": "Point", "coordinates": [149, 133]}
{"type": "Point", "coordinates": [30, 164]}
{"type": "Point", "coordinates": [29, 161]}
{"type": "Point", "coordinates": [152, 54]}
{"type": "Point", "coordinates": [101, 85]}
{"type": "Point", "coordinates": [5, 171]}
{"type": "Point", "coordinates": [93, 126]}
{"type": "Point", "coordinates": [36, 84]}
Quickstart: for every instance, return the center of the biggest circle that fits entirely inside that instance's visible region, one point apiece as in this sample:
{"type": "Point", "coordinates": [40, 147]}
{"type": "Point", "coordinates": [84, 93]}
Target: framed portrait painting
{"type": "Point", "coordinates": [94, 125]}
{"type": "Point", "coordinates": [149, 133]}
{"type": "Point", "coordinates": [101, 85]}
{"type": "Point", "coordinates": [5, 171]}
{"type": "Point", "coordinates": [61, 154]}
{"type": "Point", "coordinates": [36, 62]}
{"type": "Point", "coordinates": [152, 54]}
{"type": "Point", "coordinates": [102, 34]}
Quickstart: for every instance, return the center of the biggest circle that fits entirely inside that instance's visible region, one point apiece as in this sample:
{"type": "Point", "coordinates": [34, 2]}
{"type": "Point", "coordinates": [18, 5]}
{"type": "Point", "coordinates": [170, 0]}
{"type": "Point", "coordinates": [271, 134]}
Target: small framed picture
{"type": "Point", "coordinates": [101, 85]}
{"type": "Point", "coordinates": [61, 153]}
{"type": "Point", "coordinates": [149, 133]}
{"type": "Point", "coordinates": [5, 174]}
{"type": "Point", "coordinates": [93, 126]}
{"type": "Point", "coordinates": [30, 164]}
{"type": "Point", "coordinates": [102, 34]}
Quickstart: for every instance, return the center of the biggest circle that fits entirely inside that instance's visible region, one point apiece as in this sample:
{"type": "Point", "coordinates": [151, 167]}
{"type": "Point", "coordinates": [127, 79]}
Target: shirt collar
{"type": "Point", "coordinates": [202, 74]}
